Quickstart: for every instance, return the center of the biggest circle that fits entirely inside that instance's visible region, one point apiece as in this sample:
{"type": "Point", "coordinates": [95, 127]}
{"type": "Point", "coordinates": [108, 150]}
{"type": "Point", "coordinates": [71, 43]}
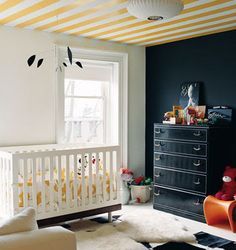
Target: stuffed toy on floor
{"type": "Point", "coordinates": [228, 191]}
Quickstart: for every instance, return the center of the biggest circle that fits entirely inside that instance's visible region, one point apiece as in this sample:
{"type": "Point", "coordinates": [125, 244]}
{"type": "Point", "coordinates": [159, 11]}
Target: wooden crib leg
{"type": "Point", "coordinates": [109, 217]}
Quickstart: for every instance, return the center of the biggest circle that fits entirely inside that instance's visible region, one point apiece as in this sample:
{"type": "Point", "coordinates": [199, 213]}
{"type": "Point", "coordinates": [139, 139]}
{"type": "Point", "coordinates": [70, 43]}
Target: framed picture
{"type": "Point", "coordinates": [189, 94]}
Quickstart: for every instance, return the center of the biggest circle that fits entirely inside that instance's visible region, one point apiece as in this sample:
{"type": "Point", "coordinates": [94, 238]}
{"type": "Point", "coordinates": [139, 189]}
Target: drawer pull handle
{"type": "Point", "coordinates": [159, 144]}
{"type": "Point", "coordinates": [197, 203]}
{"type": "Point", "coordinates": [197, 182]}
{"type": "Point", "coordinates": [197, 149]}
{"type": "Point", "coordinates": [158, 131]}
{"type": "Point", "coordinates": [158, 158]}
{"type": "Point", "coordinates": [158, 175]}
{"type": "Point", "coordinates": [198, 133]}
{"type": "Point", "coordinates": [197, 164]}
{"type": "Point", "coordinates": [158, 193]}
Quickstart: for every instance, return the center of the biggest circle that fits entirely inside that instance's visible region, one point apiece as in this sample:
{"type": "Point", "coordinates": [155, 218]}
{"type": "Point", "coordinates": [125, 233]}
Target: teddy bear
{"type": "Point", "coordinates": [228, 190]}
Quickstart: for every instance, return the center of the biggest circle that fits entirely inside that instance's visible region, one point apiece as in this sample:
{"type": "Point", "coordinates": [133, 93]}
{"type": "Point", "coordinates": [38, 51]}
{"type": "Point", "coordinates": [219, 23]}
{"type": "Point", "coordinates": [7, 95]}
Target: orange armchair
{"type": "Point", "coordinates": [217, 211]}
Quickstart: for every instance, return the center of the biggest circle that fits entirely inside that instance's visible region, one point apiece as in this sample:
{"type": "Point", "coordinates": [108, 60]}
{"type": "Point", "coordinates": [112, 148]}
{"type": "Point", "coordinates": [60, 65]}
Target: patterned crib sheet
{"type": "Point", "coordinates": [96, 185]}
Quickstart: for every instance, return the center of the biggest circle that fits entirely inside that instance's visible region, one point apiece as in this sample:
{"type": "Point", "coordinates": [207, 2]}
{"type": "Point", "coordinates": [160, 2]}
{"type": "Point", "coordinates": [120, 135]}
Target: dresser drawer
{"type": "Point", "coordinates": [180, 162]}
{"type": "Point", "coordinates": [189, 134]}
{"type": "Point", "coordinates": [175, 200]}
{"type": "Point", "coordinates": [197, 149]}
{"type": "Point", "coordinates": [178, 179]}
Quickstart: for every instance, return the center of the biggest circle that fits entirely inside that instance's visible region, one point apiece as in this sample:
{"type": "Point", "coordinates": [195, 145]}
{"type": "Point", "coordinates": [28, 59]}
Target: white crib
{"type": "Point", "coordinates": [59, 180]}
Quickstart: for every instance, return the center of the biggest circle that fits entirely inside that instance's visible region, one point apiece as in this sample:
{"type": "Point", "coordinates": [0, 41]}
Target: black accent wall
{"type": "Point", "coordinates": [209, 59]}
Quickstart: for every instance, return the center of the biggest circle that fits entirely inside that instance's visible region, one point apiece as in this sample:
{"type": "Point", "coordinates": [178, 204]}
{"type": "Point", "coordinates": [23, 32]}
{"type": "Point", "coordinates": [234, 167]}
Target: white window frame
{"type": "Point", "coordinates": [107, 56]}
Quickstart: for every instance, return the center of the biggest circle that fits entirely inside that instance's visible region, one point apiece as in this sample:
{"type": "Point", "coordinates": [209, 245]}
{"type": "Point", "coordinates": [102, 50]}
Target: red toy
{"type": "Point", "coordinates": [228, 191]}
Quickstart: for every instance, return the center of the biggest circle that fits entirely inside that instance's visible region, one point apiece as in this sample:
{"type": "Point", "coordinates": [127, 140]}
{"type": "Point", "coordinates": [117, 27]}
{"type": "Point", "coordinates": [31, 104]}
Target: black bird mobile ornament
{"type": "Point", "coordinates": [32, 59]}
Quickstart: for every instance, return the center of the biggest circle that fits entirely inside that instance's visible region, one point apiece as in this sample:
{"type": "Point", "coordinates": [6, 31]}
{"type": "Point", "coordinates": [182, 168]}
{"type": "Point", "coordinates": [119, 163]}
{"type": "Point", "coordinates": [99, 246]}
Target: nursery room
{"type": "Point", "coordinates": [118, 124]}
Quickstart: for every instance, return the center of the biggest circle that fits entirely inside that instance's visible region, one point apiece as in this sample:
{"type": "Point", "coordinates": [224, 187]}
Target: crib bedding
{"type": "Point", "coordinates": [96, 186]}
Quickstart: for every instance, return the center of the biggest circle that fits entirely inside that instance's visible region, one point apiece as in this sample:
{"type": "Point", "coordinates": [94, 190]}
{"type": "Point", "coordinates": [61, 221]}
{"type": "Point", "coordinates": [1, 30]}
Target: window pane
{"type": "Point", "coordinates": [83, 108]}
{"type": "Point", "coordinates": [83, 88]}
{"type": "Point", "coordinates": [84, 132]}
{"type": "Point", "coordinates": [84, 120]}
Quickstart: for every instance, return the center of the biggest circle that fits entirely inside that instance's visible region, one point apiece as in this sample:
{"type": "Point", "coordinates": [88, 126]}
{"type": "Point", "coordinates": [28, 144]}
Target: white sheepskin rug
{"type": "Point", "coordinates": [153, 226]}
{"type": "Point", "coordinates": [105, 237]}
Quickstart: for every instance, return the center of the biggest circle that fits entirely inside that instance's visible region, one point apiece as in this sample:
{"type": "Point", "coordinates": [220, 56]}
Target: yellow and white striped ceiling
{"type": "Point", "coordinates": [109, 19]}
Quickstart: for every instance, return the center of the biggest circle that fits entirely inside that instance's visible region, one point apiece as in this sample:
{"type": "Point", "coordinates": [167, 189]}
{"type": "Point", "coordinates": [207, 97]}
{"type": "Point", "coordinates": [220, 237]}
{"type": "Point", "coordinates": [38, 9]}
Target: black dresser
{"type": "Point", "coordinates": [188, 165]}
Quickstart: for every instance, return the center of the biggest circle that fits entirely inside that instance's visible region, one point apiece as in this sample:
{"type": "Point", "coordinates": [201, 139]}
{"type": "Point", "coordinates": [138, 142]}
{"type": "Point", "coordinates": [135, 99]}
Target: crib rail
{"type": "Point", "coordinates": [58, 182]}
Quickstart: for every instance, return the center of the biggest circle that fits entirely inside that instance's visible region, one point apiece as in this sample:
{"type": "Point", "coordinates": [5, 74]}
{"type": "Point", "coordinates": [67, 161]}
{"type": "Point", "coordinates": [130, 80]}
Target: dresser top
{"type": "Point", "coordinates": [191, 126]}
{"type": "Point", "coordinates": [183, 126]}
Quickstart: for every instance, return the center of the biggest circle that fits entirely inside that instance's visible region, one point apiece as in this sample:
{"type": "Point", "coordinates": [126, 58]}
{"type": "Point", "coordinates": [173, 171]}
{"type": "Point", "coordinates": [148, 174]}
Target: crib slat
{"type": "Point", "coordinates": [75, 181]}
{"type": "Point", "coordinates": [4, 186]}
{"type": "Point", "coordinates": [34, 187]}
{"type": "Point", "coordinates": [79, 162]}
{"type": "Point", "coordinates": [51, 184]}
{"type": "Point", "coordinates": [59, 184]}
{"type": "Point", "coordinates": [83, 162]}
{"type": "Point", "coordinates": [67, 181]}
{"type": "Point", "coordinates": [2, 208]}
{"type": "Point", "coordinates": [104, 185]}
{"type": "Point", "coordinates": [25, 183]}
{"type": "Point", "coordinates": [111, 174]}
{"type": "Point", "coordinates": [90, 179]}
{"type": "Point", "coordinates": [7, 186]}
{"type": "Point", "coordinates": [11, 189]}
{"type": "Point", "coordinates": [14, 169]}
{"type": "Point", "coordinates": [98, 181]}
{"type": "Point", "coordinates": [116, 174]}
{"type": "Point", "coordinates": [43, 163]}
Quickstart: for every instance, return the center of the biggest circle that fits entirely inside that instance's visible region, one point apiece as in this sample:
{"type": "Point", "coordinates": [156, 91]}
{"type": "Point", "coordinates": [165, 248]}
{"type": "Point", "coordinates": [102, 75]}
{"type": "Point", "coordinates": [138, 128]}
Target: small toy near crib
{"type": "Point", "coordinates": [59, 181]}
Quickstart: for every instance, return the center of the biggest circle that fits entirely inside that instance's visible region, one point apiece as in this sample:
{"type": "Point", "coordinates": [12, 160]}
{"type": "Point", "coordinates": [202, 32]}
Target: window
{"type": "Point", "coordinates": [84, 115]}
{"type": "Point", "coordinates": [92, 102]}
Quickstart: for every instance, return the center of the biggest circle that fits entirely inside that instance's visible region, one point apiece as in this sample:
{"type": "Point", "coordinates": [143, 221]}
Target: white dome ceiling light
{"type": "Point", "coordinates": [154, 9]}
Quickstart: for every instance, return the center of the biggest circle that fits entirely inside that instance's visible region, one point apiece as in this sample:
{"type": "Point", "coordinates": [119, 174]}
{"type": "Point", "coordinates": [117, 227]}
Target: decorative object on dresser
{"type": "Point", "coordinates": [188, 164]}
{"type": "Point", "coordinates": [220, 115]}
{"type": "Point", "coordinates": [189, 94]}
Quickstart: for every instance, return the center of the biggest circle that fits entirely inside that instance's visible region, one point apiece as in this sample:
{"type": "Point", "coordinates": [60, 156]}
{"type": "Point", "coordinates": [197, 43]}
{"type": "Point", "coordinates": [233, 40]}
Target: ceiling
{"type": "Point", "coordinates": [109, 20]}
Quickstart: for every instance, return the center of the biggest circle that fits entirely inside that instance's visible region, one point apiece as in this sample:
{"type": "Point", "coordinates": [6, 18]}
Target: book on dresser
{"type": "Point", "coordinates": [188, 165]}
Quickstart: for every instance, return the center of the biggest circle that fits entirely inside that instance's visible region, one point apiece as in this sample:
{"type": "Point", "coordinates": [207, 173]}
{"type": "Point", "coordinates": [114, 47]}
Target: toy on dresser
{"type": "Point", "coordinates": [228, 190]}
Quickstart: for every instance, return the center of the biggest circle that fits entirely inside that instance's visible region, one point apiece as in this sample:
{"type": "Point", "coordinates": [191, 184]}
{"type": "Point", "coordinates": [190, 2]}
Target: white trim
{"type": "Point", "coordinates": [124, 111]}
{"type": "Point", "coordinates": [106, 56]}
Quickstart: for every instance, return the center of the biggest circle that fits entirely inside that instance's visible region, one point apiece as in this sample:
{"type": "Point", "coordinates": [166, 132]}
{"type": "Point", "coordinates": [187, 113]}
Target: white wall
{"type": "Point", "coordinates": [27, 95]}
